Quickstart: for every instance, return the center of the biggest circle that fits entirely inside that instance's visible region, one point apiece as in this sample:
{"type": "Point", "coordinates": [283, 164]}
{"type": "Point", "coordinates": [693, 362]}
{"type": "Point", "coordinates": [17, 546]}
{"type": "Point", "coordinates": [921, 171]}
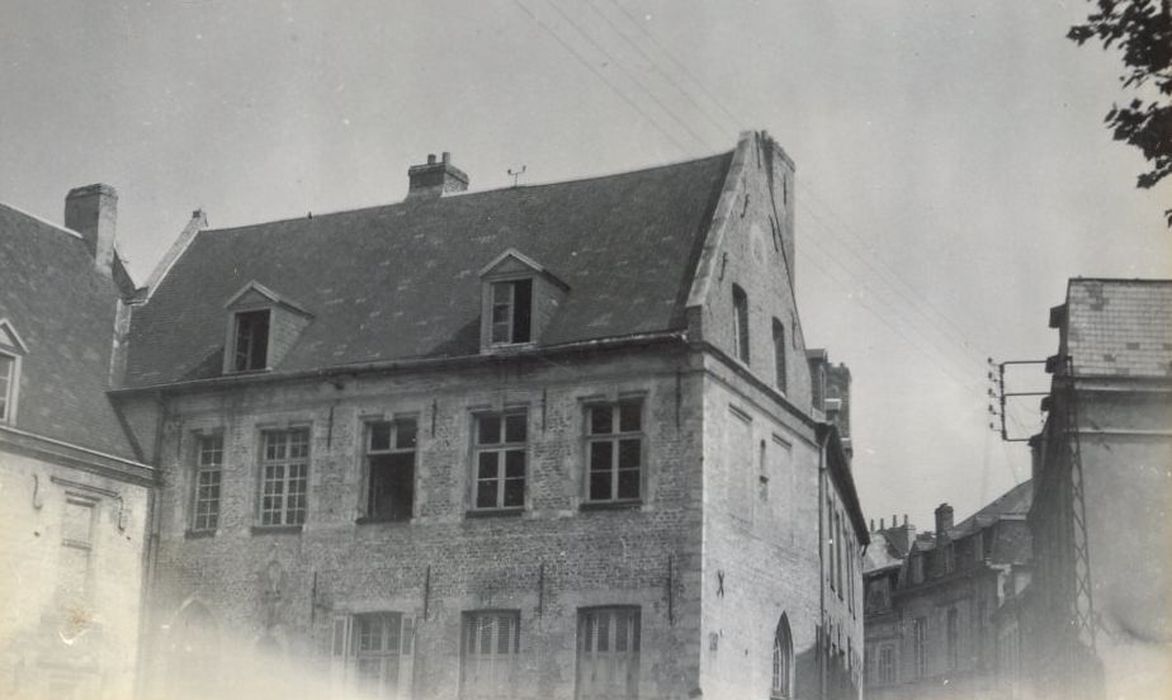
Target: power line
{"type": "Point", "coordinates": [630, 74]}
{"type": "Point", "coordinates": [651, 61]}
{"type": "Point", "coordinates": [676, 61]}
{"type": "Point", "coordinates": [581, 59]}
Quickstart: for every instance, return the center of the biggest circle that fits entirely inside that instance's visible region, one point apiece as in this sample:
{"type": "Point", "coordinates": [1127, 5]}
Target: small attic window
{"type": "Point", "coordinates": [512, 312]}
{"type": "Point", "coordinates": [250, 348]}
{"type": "Point", "coordinates": [12, 351]}
{"type": "Point", "coordinates": [8, 381]}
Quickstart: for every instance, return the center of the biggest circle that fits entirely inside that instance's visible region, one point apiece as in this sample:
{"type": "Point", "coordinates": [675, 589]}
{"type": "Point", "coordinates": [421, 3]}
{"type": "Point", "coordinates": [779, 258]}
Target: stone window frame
{"type": "Point", "coordinates": [587, 635]}
{"type": "Point", "coordinates": [263, 462]}
{"type": "Point", "coordinates": [13, 349]}
{"type": "Point", "coordinates": [347, 655]}
{"type": "Point", "coordinates": [615, 438]}
{"type": "Point", "coordinates": [782, 675]}
{"type": "Point", "coordinates": [209, 522]}
{"type": "Point", "coordinates": [502, 447]}
{"type": "Point", "coordinates": [394, 447]}
{"type": "Point", "coordinates": [499, 662]}
{"type": "Point", "coordinates": [741, 336]}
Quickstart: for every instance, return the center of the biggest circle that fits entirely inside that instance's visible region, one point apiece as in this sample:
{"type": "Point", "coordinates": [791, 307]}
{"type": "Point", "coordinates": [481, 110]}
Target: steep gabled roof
{"type": "Point", "coordinates": [1119, 327]}
{"type": "Point", "coordinates": [401, 281]}
{"type": "Point", "coordinates": [63, 310]}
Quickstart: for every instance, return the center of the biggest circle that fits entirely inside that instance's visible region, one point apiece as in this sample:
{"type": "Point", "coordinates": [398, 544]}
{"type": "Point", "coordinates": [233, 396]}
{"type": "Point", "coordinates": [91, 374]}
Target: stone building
{"type": "Point", "coordinates": [74, 491]}
{"type": "Point", "coordinates": [1097, 614]}
{"type": "Point", "coordinates": [540, 442]}
{"type": "Point", "coordinates": [931, 597]}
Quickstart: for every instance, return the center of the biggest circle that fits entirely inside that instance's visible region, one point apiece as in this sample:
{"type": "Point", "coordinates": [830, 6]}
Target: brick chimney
{"type": "Point", "coordinates": [435, 179]}
{"type": "Point", "coordinates": [943, 519]}
{"type": "Point", "coordinates": [92, 211]}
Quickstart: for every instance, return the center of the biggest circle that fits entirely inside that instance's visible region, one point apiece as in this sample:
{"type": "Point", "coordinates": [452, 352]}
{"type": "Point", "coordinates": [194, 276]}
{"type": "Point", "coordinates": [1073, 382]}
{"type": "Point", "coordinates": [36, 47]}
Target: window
{"type": "Point", "coordinates": [740, 324]}
{"type": "Point", "coordinates": [919, 641]}
{"type": "Point", "coordinates": [953, 637]}
{"type": "Point", "coordinates": [208, 464]}
{"type": "Point", "coordinates": [390, 463]}
{"type": "Point", "coordinates": [782, 682]}
{"type": "Point", "coordinates": [370, 651]}
{"type": "Point", "coordinates": [77, 542]}
{"type": "Point", "coordinates": [12, 349]}
{"type": "Point", "coordinates": [917, 569]}
{"type": "Point", "coordinates": [251, 341]}
{"type": "Point", "coordinates": [608, 653]}
{"type": "Point", "coordinates": [615, 451]}
{"type": "Point", "coordinates": [491, 640]}
{"type": "Point", "coordinates": [878, 594]}
{"type": "Point", "coordinates": [284, 476]}
{"type": "Point", "coordinates": [512, 310]}
{"type": "Point", "coordinates": [949, 554]}
{"type": "Point", "coordinates": [500, 460]}
{"type": "Point", "coordinates": [779, 355]}
{"type": "Point", "coordinates": [887, 663]}
{"type": "Point", "coordinates": [8, 381]}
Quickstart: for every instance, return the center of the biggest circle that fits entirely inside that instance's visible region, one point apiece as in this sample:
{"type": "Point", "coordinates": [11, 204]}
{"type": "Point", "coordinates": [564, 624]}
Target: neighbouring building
{"type": "Point", "coordinates": [931, 598]}
{"type": "Point", "coordinates": [552, 441]}
{"type": "Point", "coordinates": [75, 493]}
{"type": "Point", "coordinates": [1097, 611]}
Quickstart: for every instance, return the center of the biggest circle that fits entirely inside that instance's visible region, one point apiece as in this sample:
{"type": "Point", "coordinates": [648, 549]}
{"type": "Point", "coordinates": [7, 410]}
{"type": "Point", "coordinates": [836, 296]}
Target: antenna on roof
{"type": "Point", "coordinates": [516, 174]}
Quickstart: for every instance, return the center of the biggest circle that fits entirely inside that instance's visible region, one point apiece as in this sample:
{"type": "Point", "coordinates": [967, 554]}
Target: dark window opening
{"type": "Point", "coordinates": [391, 469]}
{"type": "Point", "coordinates": [779, 354]}
{"type": "Point", "coordinates": [512, 311]}
{"type": "Point", "coordinates": [741, 323]}
{"type": "Point", "coordinates": [252, 341]}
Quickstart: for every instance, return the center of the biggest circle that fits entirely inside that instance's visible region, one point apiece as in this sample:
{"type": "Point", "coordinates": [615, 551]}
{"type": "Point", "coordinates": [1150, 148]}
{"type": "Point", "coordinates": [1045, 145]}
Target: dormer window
{"type": "Point", "coordinates": [518, 299]}
{"type": "Point", "coordinates": [12, 350]}
{"type": "Point", "coordinates": [512, 311]}
{"type": "Point", "coordinates": [251, 350]}
{"type": "Point", "coordinates": [262, 326]}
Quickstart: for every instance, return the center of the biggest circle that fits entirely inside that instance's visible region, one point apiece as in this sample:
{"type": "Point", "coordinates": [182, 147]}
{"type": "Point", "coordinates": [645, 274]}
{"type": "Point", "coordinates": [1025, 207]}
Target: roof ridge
{"type": "Point", "coordinates": [464, 195]}
{"type": "Point", "coordinates": [42, 220]}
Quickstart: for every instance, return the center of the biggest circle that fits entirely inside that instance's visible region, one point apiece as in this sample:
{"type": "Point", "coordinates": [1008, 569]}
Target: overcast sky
{"type": "Point", "coordinates": [953, 168]}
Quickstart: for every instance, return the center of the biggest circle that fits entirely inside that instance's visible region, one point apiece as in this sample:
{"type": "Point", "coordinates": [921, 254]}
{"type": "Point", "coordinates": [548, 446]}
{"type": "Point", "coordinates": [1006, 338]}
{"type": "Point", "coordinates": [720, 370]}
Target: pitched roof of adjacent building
{"type": "Point", "coordinates": [1119, 327]}
{"type": "Point", "coordinates": [63, 309]}
{"type": "Point", "coordinates": [401, 281]}
{"type": "Point", "coordinates": [1014, 503]}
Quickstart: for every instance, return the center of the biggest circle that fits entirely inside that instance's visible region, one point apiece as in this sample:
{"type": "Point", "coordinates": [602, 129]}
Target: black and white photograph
{"type": "Point", "coordinates": [586, 349]}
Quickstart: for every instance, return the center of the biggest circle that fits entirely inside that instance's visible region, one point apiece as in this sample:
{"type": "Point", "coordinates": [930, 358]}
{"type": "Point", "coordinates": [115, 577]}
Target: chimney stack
{"type": "Point", "coordinates": [881, 527]}
{"type": "Point", "coordinates": [943, 519]}
{"type": "Point", "coordinates": [435, 179]}
{"type": "Point", "coordinates": [92, 211]}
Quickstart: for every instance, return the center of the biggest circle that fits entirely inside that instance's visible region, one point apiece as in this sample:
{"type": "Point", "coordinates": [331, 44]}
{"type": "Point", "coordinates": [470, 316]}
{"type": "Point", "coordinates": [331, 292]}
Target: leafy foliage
{"type": "Point", "coordinates": [1142, 29]}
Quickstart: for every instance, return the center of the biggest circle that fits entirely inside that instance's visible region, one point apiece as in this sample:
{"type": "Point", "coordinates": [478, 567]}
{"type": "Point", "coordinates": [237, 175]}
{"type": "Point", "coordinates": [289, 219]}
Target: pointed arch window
{"type": "Point", "coordinates": [740, 323]}
{"type": "Point", "coordinates": [779, 355]}
{"type": "Point", "coordinates": [783, 661]}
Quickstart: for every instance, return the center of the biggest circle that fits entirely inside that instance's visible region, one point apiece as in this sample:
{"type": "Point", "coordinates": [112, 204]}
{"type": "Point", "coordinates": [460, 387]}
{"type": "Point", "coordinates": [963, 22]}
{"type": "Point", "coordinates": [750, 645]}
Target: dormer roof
{"type": "Point", "coordinates": [514, 262]}
{"type": "Point", "coordinates": [10, 339]}
{"type": "Point", "coordinates": [256, 294]}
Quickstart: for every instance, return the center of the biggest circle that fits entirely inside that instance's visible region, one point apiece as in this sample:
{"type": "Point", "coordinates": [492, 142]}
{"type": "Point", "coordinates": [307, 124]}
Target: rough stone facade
{"type": "Point", "coordinates": [723, 562]}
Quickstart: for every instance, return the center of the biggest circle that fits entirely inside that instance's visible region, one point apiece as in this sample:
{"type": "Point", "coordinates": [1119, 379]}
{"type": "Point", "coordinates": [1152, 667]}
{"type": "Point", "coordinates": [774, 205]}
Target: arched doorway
{"type": "Point", "coordinates": [782, 684]}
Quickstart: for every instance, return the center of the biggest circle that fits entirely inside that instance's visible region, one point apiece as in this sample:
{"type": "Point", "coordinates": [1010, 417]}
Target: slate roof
{"type": "Point", "coordinates": [1013, 503]}
{"type": "Point", "coordinates": [1120, 327]}
{"type": "Point", "coordinates": [881, 554]}
{"type": "Point", "coordinates": [401, 281]}
{"type": "Point", "coordinates": [63, 310]}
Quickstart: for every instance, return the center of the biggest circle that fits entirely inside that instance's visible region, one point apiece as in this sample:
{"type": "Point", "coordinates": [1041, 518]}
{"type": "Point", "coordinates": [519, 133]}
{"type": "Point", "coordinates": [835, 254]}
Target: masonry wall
{"type": "Point", "coordinates": [266, 586]}
{"type": "Point", "coordinates": [761, 557]}
{"type": "Point", "coordinates": [751, 247]}
{"type": "Point", "coordinates": [69, 624]}
{"type": "Point", "coordinates": [1127, 465]}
